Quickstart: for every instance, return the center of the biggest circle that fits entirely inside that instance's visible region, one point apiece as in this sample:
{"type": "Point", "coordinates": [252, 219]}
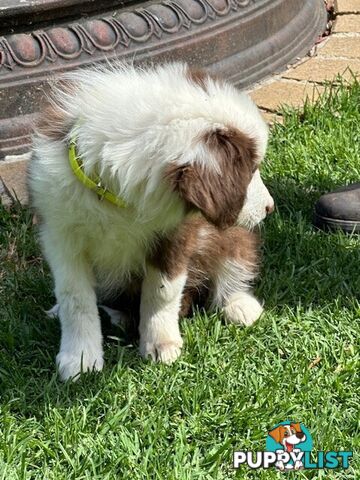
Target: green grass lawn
{"type": "Point", "coordinates": [138, 420]}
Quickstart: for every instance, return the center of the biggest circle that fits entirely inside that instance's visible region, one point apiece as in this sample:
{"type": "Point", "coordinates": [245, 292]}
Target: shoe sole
{"type": "Point", "coordinates": [326, 223]}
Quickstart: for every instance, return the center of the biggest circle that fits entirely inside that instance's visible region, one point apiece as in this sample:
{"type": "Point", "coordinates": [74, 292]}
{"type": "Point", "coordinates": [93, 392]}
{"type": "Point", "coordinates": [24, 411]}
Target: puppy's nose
{"type": "Point", "coordinates": [270, 207]}
{"type": "Point", "coordinates": [300, 435]}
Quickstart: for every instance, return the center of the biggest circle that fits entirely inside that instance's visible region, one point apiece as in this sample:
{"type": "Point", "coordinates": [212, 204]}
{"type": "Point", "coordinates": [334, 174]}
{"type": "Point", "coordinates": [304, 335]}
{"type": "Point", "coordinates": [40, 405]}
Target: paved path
{"type": "Point", "coordinates": [337, 55]}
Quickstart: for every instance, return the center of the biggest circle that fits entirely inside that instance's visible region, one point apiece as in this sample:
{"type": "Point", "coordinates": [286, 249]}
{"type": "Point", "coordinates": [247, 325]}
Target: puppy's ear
{"type": "Point", "coordinates": [216, 174]}
{"type": "Point", "coordinates": [277, 433]}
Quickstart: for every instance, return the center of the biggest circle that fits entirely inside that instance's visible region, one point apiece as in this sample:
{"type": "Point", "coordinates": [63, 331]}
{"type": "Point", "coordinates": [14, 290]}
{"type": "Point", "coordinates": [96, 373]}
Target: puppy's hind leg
{"type": "Point", "coordinates": [243, 309]}
{"type": "Point", "coordinates": [233, 294]}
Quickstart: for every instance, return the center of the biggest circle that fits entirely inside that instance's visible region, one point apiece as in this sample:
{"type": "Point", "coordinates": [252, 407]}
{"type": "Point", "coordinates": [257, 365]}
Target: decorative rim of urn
{"type": "Point", "coordinates": [242, 40]}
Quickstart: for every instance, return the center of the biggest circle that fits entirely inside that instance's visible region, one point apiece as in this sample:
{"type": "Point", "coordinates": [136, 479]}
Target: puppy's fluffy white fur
{"type": "Point", "coordinates": [129, 125]}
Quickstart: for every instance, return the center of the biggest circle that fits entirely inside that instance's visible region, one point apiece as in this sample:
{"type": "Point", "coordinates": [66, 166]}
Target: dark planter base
{"type": "Point", "coordinates": [243, 40]}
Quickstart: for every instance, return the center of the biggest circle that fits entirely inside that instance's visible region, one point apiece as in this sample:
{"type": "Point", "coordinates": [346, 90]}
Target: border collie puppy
{"type": "Point", "coordinates": [149, 176]}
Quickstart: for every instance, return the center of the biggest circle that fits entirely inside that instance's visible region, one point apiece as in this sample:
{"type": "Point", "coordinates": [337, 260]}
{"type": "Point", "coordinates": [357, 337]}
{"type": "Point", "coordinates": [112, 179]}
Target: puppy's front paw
{"type": "Point", "coordinates": [72, 364]}
{"type": "Point", "coordinates": [166, 352]}
{"type": "Point", "coordinates": [243, 309]}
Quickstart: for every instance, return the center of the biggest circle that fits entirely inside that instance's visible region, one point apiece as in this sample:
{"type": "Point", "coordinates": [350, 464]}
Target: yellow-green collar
{"type": "Point", "coordinates": [93, 183]}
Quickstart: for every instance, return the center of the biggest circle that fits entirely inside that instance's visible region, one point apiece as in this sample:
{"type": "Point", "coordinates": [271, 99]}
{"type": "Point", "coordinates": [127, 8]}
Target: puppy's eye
{"type": "Point", "coordinates": [293, 431]}
{"type": "Point", "coordinates": [286, 434]}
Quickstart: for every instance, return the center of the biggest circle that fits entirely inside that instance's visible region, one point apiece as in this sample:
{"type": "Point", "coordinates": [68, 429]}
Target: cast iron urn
{"type": "Point", "coordinates": [243, 40]}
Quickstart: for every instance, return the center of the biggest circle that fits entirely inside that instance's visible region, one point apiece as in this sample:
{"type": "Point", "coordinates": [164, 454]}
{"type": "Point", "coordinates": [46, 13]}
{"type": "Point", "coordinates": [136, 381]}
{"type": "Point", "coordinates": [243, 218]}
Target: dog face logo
{"type": "Point", "coordinates": [288, 435]}
{"type": "Point", "coordinates": [289, 440]}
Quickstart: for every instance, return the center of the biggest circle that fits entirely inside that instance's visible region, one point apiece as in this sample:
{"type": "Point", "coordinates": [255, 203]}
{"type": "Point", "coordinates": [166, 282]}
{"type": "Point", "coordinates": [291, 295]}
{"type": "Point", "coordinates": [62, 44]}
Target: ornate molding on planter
{"type": "Point", "coordinates": [103, 35]}
{"type": "Point", "coordinates": [242, 40]}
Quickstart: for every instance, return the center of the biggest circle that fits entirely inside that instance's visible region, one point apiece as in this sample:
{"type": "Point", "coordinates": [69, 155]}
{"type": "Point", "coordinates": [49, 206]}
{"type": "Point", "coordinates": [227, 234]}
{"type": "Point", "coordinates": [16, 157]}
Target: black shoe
{"type": "Point", "coordinates": [339, 210]}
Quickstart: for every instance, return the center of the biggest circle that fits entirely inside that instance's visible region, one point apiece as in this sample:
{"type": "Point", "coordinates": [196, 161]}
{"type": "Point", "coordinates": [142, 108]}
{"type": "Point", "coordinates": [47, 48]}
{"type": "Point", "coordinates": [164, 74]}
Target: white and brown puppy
{"type": "Point", "coordinates": [182, 150]}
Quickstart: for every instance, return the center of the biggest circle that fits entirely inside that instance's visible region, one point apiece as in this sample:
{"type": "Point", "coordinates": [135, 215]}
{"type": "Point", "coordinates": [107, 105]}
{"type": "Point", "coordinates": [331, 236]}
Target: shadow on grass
{"type": "Point", "coordinates": [29, 342]}
{"type": "Point", "coordinates": [28, 377]}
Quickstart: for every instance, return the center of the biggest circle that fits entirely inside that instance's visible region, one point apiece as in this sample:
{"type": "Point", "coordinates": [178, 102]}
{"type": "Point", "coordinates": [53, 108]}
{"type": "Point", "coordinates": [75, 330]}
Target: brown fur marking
{"type": "Point", "coordinates": [198, 248]}
{"type": "Point", "coordinates": [218, 195]}
{"type": "Point", "coordinates": [201, 249]}
{"type": "Point", "coordinates": [198, 77]}
{"type": "Point", "coordinates": [53, 121]}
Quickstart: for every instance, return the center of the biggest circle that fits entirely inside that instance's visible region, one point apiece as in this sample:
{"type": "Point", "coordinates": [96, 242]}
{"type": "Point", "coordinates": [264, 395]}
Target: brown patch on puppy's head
{"type": "Point", "coordinates": [198, 77]}
{"type": "Point", "coordinates": [217, 190]}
